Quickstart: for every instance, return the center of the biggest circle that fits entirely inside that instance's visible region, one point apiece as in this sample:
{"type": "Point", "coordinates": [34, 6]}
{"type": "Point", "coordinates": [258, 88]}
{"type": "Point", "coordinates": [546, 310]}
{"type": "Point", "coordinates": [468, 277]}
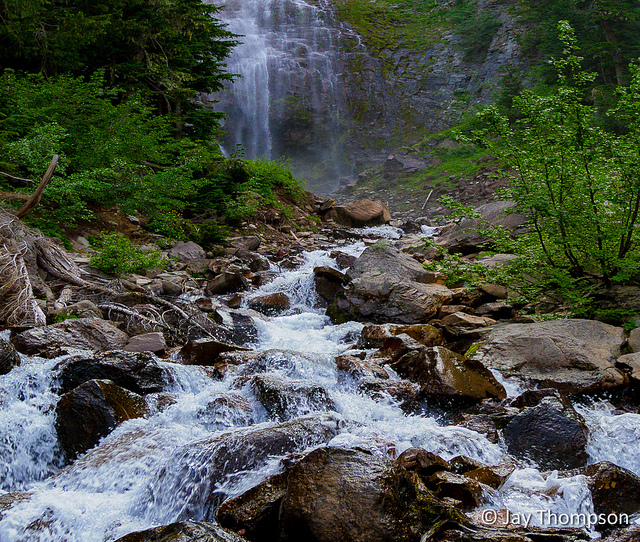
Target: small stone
{"type": "Point", "coordinates": [148, 342]}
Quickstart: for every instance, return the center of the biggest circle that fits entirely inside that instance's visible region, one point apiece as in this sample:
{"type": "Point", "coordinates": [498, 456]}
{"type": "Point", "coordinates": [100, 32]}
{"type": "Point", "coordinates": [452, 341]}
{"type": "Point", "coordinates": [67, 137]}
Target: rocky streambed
{"type": "Point", "coordinates": [239, 410]}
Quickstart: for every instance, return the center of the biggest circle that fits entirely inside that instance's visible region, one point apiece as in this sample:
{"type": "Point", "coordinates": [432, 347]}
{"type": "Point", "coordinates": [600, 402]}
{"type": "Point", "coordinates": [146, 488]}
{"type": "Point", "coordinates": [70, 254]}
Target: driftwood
{"type": "Point", "coordinates": [25, 253]}
{"type": "Point", "coordinates": [37, 195]}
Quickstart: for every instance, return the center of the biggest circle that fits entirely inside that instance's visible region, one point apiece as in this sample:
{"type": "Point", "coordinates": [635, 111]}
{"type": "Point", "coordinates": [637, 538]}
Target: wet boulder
{"type": "Point", "coordinates": [483, 424]}
{"type": "Point", "coordinates": [207, 351]}
{"type": "Point", "coordinates": [422, 462]}
{"type": "Point", "coordinates": [286, 399]}
{"type": "Point", "coordinates": [248, 242]}
{"type": "Point", "coordinates": [332, 494]}
{"type": "Point", "coordinates": [188, 486]}
{"type": "Point", "coordinates": [572, 356]}
{"type": "Point", "coordinates": [184, 531]}
{"type": "Point", "coordinates": [550, 434]}
{"type": "Point", "coordinates": [271, 304]}
{"type": "Point", "coordinates": [443, 374]}
{"type": "Point", "coordinates": [91, 411]}
{"type": "Point", "coordinates": [402, 391]}
{"type": "Point", "coordinates": [614, 490]}
{"type": "Point", "coordinates": [9, 357]}
{"type": "Point", "coordinates": [82, 333]}
{"type": "Point", "coordinates": [226, 410]}
{"type": "Point", "coordinates": [138, 372]}
{"type": "Point", "coordinates": [227, 282]}
{"type": "Point", "coordinates": [329, 282]}
{"type": "Point", "coordinates": [467, 492]}
{"type": "Point", "coordinates": [358, 368]}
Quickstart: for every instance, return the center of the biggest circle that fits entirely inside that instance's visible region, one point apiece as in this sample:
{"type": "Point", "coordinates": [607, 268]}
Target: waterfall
{"type": "Point", "coordinates": [286, 101]}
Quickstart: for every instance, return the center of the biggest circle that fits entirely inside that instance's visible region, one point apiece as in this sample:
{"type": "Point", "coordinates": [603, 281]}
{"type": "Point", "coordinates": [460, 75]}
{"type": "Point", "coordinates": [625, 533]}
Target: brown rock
{"type": "Point", "coordinates": [461, 319]}
{"type": "Point", "coordinates": [493, 476]}
{"type": "Point", "coordinates": [483, 424]}
{"type": "Point", "coordinates": [9, 358]}
{"type": "Point", "coordinates": [360, 213]}
{"type": "Point", "coordinates": [442, 374]}
{"type": "Point", "coordinates": [271, 304]}
{"type": "Point", "coordinates": [185, 252]}
{"type": "Point", "coordinates": [374, 336]}
{"type": "Point", "coordinates": [147, 342]}
{"type": "Point", "coordinates": [423, 462]}
{"type": "Point", "coordinates": [91, 411]}
{"type": "Point", "coordinates": [360, 367]}
{"type": "Point", "coordinates": [403, 391]}
{"type": "Point", "coordinates": [466, 491]}
{"type": "Point", "coordinates": [82, 333]}
{"type": "Point", "coordinates": [207, 351]}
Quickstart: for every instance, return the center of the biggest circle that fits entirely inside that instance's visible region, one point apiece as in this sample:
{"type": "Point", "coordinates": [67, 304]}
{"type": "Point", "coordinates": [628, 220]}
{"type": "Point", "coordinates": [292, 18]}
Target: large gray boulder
{"type": "Point", "coordinates": [572, 356]}
{"type": "Point", "coordinates": [82, 333]}
{"type": "Point", "coordinates": [389, 286]}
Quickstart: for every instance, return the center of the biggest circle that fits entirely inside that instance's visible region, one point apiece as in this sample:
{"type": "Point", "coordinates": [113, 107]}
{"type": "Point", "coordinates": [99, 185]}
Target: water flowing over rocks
{"type": "Point", "coordinates": [283, 425]}
{"type": "Point", "coordinates": [91, 411]}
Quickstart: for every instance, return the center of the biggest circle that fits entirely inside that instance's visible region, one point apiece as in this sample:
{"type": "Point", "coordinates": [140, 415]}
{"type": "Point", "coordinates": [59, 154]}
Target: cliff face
{"type": "Point", "coordinates": [330, 91]}
{"type": "Point", "coordinates": [396, 95]}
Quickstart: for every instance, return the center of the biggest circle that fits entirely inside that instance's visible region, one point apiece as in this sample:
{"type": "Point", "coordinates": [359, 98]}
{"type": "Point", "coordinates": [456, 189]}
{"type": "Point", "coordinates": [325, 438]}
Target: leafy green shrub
{"type": "Point", "coordinates": [117, 255]}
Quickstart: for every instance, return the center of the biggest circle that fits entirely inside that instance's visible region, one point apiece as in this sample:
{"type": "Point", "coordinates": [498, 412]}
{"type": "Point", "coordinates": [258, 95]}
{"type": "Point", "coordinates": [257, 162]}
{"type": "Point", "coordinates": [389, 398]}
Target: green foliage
{"type": "Point", "coordinates": [64, 316]}
{"type": "Point", "coordinates": [117, 255]}
{"type": "Point", "coordinates": [578, 184]}
{"type": "Point", "coordinates": [168, 50]}
{"type": "Point", "coordinates": [475, 27]}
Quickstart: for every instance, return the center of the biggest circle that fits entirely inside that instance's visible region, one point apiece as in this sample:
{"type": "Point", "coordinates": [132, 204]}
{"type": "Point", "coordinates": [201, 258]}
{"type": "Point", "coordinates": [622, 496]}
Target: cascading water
{"type": "Point", "coordinates": [286, 102]}
{"type": "Point", "coordinates": [187, 457]}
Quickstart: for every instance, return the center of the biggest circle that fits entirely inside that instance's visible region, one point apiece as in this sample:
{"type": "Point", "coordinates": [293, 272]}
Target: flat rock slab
{"type": "Point", "coordinates": [572, 356]}
{"type": "Point", "coordinates": [81, 333]}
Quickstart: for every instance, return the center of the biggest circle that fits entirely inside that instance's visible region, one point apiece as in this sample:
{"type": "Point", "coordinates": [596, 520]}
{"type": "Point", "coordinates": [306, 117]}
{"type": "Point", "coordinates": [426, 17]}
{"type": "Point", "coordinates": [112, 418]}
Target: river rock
{"type": "Point", "coordinates": [630, 365]}
{"type": "Point", "coordinates": [147, 342]}
{"type": "Point", "coordinates": [493, 475]}
{"type": "Point", "coordinates": [271, 304]}
{"type": "Point", "coordinates": [185, 252]}
{"type": "Point", "coordinates": [463, 238]}
{"type": "Point", "coordinates": [358, 368]}
{"type": "Point", "coordinates": [549, 435]}
{"type": "Point", "coordinates": [91, 411]}
{"type": "Point", "coordinates": [614, 490]}
{"type": "Point", "coordinates": [9, 357]}
{"type": "Point", "coordinates": [226, 283]}
{"type": "Point", "coordinates": [469, 493]}
{"type": "Point", "coordinates": [248, 242]}
{"type": "Point", "coordinates": [188, 485]}
{"type": "Point", "coordinates": [226, 410]}
{"type": "Point", "coordinates": [81, 333]}
{"type": "Point", "coordinates": [405, 392]}
{"type": "Point", "coordinates": [286, 399]}
{"type": "Point", "coordinates": [360, 213]}
{"type": "Point", "coordinates": [207, 351]}
{"type": "Point", "coordinates": [9, 500]}
{"type": "Point", "coordinates": [629, 534]}
{"type": "Point", "coordinates": [572, 356]}
{"type": "Point", "coordinates": [634, 340]}
{"type": "Point", "coordinates": [335, 494]}
{"type": "Point", "coordinates": [138, 372]}
{"type": "Point", "coordinates": [184, 531]}
{"type": "Point", "coordinates": [422, 462]}
{"type": "Point", "coordinates": [462, 319]}
{"type": "Point", "coordinates": [443, 374]}
{"type": "Point", "coordinates": [373, 335]}
{"type": "Point", "coordinates": [483, 424]}
{"type": "Point", "coordinates": [328, 282]}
